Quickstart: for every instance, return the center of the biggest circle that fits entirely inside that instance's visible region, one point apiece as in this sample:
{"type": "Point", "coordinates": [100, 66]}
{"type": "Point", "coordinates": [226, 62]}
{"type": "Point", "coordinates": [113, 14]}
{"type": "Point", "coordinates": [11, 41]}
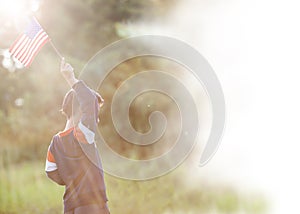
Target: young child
{"type": "Point", "coordinates": [73, 159]}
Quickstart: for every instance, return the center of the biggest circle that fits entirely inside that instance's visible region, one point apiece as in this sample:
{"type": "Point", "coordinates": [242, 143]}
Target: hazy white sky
{"type": "Point", "coordinates": [254, 49]}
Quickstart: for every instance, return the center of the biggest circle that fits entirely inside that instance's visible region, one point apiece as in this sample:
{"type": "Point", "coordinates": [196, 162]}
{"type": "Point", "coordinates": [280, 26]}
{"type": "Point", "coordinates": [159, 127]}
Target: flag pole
{"type": "Point", "coordinates": [55, 49]}
{"type": "Point", "coordinates": [50, 41]}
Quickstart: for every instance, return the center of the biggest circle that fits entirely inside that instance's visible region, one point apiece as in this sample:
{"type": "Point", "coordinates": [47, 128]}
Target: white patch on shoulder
{"type": "Point", "coordinates": [89, 135]}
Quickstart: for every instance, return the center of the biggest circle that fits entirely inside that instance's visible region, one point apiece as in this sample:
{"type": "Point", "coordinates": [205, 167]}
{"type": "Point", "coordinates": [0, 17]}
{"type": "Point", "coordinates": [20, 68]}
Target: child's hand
{"type": "Point", "coordinates": [68, 72]}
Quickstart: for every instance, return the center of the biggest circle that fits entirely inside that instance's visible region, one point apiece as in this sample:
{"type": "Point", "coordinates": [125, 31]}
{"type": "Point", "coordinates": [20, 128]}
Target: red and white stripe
{"type": "Point", "coordinates": [50, 162]}
{"type": "Point", "coordinates": [25, 49]}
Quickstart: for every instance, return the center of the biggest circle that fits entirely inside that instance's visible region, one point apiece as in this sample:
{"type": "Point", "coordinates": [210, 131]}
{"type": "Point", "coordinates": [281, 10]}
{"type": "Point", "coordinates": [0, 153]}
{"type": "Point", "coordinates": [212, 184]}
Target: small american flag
{"type": "Point", "coordinates": [27, 45]}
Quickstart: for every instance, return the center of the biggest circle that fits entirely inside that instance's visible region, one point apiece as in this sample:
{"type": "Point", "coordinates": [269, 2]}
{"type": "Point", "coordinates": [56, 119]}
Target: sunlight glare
{"type": "Point", "coordinates": [12, 8]}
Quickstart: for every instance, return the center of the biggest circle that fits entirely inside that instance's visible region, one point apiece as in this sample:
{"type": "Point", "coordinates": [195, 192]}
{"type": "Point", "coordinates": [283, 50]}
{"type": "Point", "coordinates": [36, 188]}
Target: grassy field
{"type": "Point", "coordinates": [24, 188]}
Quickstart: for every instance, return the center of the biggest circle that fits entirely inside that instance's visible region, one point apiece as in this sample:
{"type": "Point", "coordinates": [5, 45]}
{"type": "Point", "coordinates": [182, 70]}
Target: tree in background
{"type": "Point", "coordinates": [30, 99]}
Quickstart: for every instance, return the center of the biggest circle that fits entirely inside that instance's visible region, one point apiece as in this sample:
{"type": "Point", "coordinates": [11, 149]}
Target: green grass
{"type": "Point", "coordinates": [25, 188]}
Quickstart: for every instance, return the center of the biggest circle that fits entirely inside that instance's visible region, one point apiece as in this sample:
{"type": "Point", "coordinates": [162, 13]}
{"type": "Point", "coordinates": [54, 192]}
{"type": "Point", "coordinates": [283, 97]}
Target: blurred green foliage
{"type": "Point", "coordinates": [79, 29]}
{"type": "Point", "coordinates": [30, 100]}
